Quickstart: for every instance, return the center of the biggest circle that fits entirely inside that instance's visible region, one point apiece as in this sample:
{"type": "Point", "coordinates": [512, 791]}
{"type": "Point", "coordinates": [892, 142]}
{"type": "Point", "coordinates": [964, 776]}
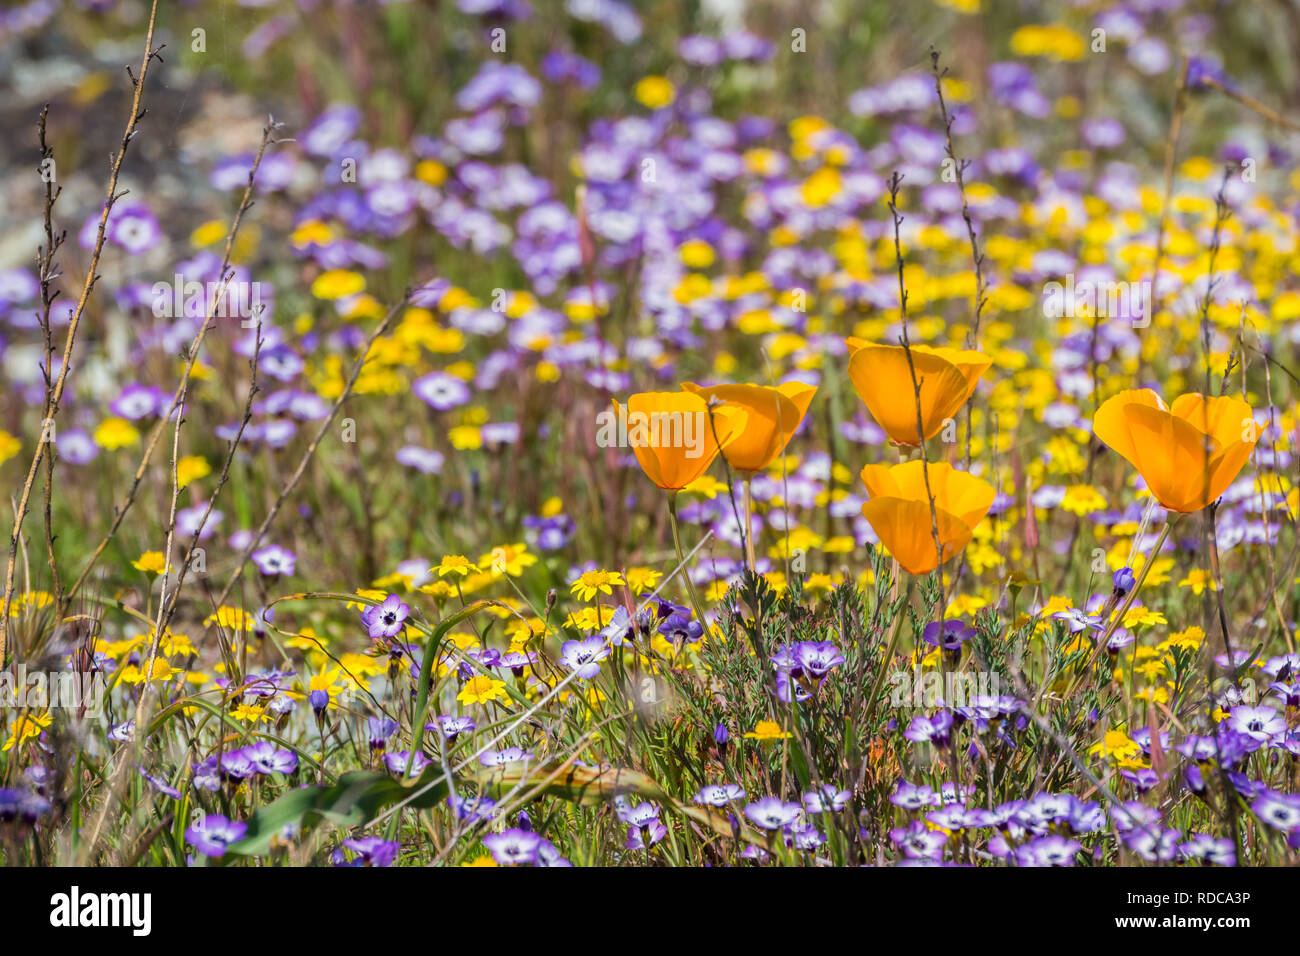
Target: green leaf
{"type": "Point", "coordinates": [357, 798]}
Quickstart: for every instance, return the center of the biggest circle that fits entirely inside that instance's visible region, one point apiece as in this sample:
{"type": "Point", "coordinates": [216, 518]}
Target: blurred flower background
{"type": "Point", "coordinates": [388, 538]}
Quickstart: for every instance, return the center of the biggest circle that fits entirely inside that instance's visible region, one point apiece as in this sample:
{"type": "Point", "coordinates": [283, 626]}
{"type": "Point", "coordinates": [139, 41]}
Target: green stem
{"type": "Point", "coordinates": [681, 560]}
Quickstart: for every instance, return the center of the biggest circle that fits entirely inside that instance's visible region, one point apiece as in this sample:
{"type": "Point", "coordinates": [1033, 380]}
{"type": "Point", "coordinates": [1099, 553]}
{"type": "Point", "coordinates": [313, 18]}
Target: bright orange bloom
{"type": "Point", "coordinates": [1187, 453]}
{"type": "Point", "coordinates": [774, 414]}
{"type": "Point", "coordinates": [947, 378]}
{"type": "Point", "coordinates": [672, 436]}
{"type": "Point", "coordinates": [899, 510]}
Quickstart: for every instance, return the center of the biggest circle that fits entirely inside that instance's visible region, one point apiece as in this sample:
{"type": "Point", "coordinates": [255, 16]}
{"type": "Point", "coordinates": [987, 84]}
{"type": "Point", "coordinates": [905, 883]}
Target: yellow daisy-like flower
{"type": "Point", "coordinates": [456, 564]}
{"type": "Point", "coordinates": [655, 92]}
{"type": "Point", "coordinates": [337, 283]}
{"type": "Point", "coordinates": [768, 731]}
{"type": "Point", "coordinates": [1139, 616]}
{"type": "Point", "coordinates": [591, 583]}
{"type": "Point", "coordinates": [191, 468]}
{"type": "Point", "coordinates": [589, 618]}
{"type": "Point", "coordinates": [371, 594]}
{"type": "Point", "coordinates": [440, 591]}
{"type": "Point", "coordinates": [640, 580]}
{"type": "Point", "coordinates": [480, 689]}
{"type": "Point", "coordinates": [254, 715]}
{"type": "Point", "coordinates": [1115, 745]}
{"type": "Point", "coordinates": [9, 446]}
{"type": "Point", "coordinates": [484, 860]}
{"type": "Point", "coordinates": [508, 559]}
{"type": "Point", "coordinates": [151, 562]}
{"type": "Point", "coordinates": [161, 670]}
{"type": "Point", "coordinates": [114, 433]}
{"type": "Point", "coordinates": [25, 728]}
{"type": "Point", "coordinates": [1199, 581]}
{"type": "Point", "coordinates": [465, 437]}
{"type": "Point", "coordinates": [1082, 500]}
{"type": "Point", "coordinates": [231, 618]}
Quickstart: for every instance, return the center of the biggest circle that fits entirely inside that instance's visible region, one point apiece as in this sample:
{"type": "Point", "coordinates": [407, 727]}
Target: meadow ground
{"type": "Point", "coordinates": [578, 432]}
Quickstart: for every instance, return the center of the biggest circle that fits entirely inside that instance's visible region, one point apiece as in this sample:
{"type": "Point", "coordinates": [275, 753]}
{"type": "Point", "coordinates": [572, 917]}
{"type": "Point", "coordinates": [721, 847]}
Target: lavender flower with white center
{"type": "Point", "coordinates": [1200, 749]}
{"type": "Point", "coordinates": [803, 836]}
{"type": "Point", "coordinates": [642, 838]}
{"type": "Point", "coordinates": [507, 755]}
{"type": "Point", "coordinates": [1086, 817]}
{"type": "Point", "coordinates": [1262, 723]}
{"type": "Point", "coordinates": [373, 851]}
{"type": "Point", "coordinates": [616, 631]}
{"type": "Point", "coordinates": [453, 727]}
{"type": "Point", "coordinates": [817, 658]}
{"type": "Point", "coordinates": [205, 775]}
{"type": "Point", "coordinates": [134, 228]}
{"type": "Point", "coordinates": [1154, 844]}
{"type": "Point", "coordinates": [441, 391]}
{"type": "Point", "coordinates": [955, 635]}
{"type": "Point", "coordinates": [386, 620]}
{"type": "Point", "coordinates": [236, 765]}
{"type": "Point", "coordinates": [187, 522]}
{"type": "Point", "coordinates": [828, 799]}
{"type": "Point", "coordinates": [772, 813]}
{"type": "Point", "coordinates": [426, 460]}
{"type": "Point", "coordinates": [918, 842]}
{"type": "Point", "coordinates": [273, 560]}
{"type": "Point", "coordinates": [548, 854]}
{"type": "Point", "coordinates": [584, 656]}
{"type": "Point", "coordinates": [931, 730]}
{"type": "Point", "coordinates": [1143, 778]}
{"type": "Point", "coordinates": [266, 758]}
{"type": "Point", "coordinates": [954, 816]}
{"type": "Point", "coordinates": [396, 762]}
{"type": "Point", "coordinates": [1076, 620]}
{"type": "Point", "coordinates": [471, 808]}
{"type": "Point", "coordinates": [911, 796]}
{"type": "Point", "coordinates": [213, 833]}
{"type": "Point", "coordinates": [788, 689]}
{"type": "Point", "coordinates": [1050, 850]}
{"type": "Point", "coordinates": [1279, 810]}
{"type": "Point", "coordinates": [641, 815]}
{"type": "Point", "coordinates": [380, 729]}
{"type": "Point", "coordinates": [1045, 809]}
{"type": "Point", "coordinates": [513, 847]}
{"type": "Point", "coordinates": [159, 784]}
{"type": "Point", "coordinates": [719, 794]}
{"type": "Point", "coordinates": [139, 401]}
{"type": "Point", "coordinates": [517, 661]}
{"type": "Point", "coordinates": [1133, 815]}
{"type": "Point", "coordinates": [1203, 846]}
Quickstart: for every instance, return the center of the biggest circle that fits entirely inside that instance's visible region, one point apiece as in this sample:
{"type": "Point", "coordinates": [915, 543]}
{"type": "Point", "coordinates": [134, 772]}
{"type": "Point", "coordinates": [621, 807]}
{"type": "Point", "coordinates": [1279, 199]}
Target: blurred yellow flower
{"type": "Point", "coordinates": [113, 433]}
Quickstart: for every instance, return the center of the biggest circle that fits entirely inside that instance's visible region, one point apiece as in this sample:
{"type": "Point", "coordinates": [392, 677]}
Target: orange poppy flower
{"type": "Point", "coordinates": [1187, 453]}
{"type": "Point", "coordinates": [774, 415]}
{"type": "Point", "coordinates": [671, 435]}
{"type": "Point", "coordinates": [947, 379]}
{"type": "Point", "coordinates": [899, 510]}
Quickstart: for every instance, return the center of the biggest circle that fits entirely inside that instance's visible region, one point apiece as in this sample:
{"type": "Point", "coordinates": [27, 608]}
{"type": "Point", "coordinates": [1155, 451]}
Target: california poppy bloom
{"type": "Point", "coordinates": [774, 415]}
{"type": "Point", "coordinates": [671, 434]}
{"type": "Point", "coordinates": [1187, 453]}
{"type": "Point", "coordinates": [947, 379]}
{"type": "Point", "coordinates": [899, 510]}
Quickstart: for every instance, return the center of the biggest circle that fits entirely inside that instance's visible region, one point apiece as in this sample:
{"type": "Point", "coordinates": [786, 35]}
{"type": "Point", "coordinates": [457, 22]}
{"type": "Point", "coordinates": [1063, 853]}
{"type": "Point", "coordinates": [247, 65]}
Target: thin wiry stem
{"type": "Point", "coordinates": [55, 397]}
